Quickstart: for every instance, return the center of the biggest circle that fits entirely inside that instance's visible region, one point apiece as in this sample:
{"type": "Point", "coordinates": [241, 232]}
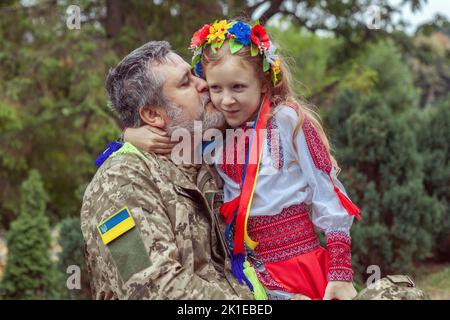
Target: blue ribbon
{"type": "Point", "coordinates": [110, 149]}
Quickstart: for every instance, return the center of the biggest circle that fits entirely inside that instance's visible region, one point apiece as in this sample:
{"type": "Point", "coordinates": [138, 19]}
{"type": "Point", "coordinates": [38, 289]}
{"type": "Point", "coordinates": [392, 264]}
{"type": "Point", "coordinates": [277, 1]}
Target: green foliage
{"type": "Point", "coordinates": [382, 170]}
{"type": "Point", "coordinates": [29, 272]}
{"type": "Point", "coordinates": [307, 56]}
{"type": "Point", "coordinates": [433, 138]}
{"type": "Point", "coordinates": [430, 62]}
{"type": "Point", "coordinates": [53, 114]}
{"type": "Point", "coordinates": [433, 142]}
{"type": "Point", "coordinates": [360, 78]}
{"type": "Point", "coordinates": [393, 76]}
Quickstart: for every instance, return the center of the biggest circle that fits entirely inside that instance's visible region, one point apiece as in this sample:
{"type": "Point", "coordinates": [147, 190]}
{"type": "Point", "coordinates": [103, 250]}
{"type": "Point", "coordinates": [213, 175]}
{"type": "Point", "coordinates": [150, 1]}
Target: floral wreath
{"type": "Point", "coordinates": [240, 34]}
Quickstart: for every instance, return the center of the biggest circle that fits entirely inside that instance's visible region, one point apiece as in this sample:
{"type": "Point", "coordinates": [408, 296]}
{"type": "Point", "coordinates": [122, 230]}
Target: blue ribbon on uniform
{"type": "Point", "coordinates": [110, 149]}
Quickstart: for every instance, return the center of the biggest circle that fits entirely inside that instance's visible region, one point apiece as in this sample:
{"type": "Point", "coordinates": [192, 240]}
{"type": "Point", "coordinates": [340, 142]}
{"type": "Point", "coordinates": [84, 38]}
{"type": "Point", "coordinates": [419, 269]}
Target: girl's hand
{"type": "Point", "coordinates": [149, 138]}
{"type": "Point", "coordinates": [340, 290]}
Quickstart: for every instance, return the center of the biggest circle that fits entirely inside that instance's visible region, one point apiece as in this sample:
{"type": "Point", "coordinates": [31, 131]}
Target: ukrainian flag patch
{"type": "Point", "coordinates": [116, 225]}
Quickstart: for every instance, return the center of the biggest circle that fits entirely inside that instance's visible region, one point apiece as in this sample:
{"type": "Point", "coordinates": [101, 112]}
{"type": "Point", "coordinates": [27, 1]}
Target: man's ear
{"type": "Point", "coordinates": [154, 116]}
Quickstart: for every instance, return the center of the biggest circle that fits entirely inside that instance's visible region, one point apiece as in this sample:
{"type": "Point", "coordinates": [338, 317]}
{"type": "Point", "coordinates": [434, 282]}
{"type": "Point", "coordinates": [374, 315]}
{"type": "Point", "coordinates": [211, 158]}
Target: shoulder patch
{"type": "Point", "coordinates": [316, 147]}
{"type": "Point", "coordinates": [116, 225]}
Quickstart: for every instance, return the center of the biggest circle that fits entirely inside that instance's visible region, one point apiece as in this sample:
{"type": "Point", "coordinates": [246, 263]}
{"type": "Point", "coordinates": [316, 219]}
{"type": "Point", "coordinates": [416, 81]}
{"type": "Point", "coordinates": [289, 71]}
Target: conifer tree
{"type": "Point", "coordinates": [382, 168]}
{"type": "Point", "coordinates": [29, 272]}
{"type": "Point", "coordinates": [433, 138]}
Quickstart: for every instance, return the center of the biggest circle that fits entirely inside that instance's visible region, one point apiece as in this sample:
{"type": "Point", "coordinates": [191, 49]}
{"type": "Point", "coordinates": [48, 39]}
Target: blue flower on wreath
{"type": "Point", "coordinates": [241, 33]}
{"type": "Point", "coordinates": [198, 70]}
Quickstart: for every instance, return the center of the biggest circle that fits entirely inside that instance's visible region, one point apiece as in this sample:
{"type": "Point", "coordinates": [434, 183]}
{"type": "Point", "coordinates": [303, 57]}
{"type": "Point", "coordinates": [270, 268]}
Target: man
{"type": "Point", "coordinates": [149, 231]}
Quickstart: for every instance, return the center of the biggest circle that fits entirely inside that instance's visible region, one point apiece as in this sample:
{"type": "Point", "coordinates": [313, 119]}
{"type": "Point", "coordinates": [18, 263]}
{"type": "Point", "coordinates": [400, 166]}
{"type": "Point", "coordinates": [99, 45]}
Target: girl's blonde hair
{"type": "Point", "coordinates": [281, 93]}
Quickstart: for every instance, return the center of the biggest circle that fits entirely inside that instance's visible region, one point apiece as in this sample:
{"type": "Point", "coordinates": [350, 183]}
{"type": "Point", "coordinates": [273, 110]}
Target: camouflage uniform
{"type": "Point", "coordinates": [175, 251]}
{"type": "Point", "coordinates": [395, 287]}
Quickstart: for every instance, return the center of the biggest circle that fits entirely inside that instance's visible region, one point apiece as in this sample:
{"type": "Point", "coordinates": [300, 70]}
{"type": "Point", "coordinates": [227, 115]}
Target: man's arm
{"type": "Point", "coordinates": [144, 262]}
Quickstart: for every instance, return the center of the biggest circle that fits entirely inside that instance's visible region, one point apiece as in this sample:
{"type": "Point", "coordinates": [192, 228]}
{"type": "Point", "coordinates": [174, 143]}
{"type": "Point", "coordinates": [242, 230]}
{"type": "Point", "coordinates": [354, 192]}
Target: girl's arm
{"type": "Point", "coordinates": [330, 210]}
{"type": "Point", "coordinates": [328, 213]}
{"type": "Point", "coordinates": [150, 139]}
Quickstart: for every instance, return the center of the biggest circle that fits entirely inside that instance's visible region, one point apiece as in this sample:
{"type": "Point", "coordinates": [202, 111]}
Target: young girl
{"type": "Point", "coordinates": [267, 196]}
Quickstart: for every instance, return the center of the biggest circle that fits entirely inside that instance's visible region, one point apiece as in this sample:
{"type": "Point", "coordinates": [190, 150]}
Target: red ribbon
{"type": "Point", "coordinates": [348, 205]}
{"type": "Point", "coordinates": [229, 208]}
{"type": "Point", "coordinates": [250, 176]}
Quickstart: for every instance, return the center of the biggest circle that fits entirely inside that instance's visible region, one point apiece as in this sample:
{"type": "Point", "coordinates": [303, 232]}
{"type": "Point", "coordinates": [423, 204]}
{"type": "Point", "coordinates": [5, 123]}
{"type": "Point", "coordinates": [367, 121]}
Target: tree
{"type": "Point", "coordinates": [53, 110]}
{"type": "Point", "coordinates": [430, 62]}
{"type": "Point", "coordinates": [29, 272]}
{"type": "Point", "coordinates": [433, 136]}
{"type": "Point", "coordinates": [346, 20]}
{"type": "Point", "coordinates": [307, 56]}
{"type": "Point", "coordinates": [383, 169]}
{"type": "Point", "coordinates": [340, 17]}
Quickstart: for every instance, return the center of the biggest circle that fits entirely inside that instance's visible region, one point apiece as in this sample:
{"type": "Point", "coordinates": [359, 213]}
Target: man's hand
{"type": "Point", "coordinates": [339, 290]}
{"type": "Point", "coordinates": [148, 138]}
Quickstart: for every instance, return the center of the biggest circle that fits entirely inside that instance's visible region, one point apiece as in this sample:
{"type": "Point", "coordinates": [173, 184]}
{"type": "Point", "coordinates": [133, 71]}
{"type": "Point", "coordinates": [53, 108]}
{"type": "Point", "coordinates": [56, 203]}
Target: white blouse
{"type": "Point", "coordinates": [292, 182]}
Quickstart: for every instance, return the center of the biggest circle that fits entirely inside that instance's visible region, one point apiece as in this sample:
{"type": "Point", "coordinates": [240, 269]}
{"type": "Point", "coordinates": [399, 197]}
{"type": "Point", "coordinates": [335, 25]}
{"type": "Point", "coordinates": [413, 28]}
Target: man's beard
{"type": "Point", "coordinates": [178, 120]}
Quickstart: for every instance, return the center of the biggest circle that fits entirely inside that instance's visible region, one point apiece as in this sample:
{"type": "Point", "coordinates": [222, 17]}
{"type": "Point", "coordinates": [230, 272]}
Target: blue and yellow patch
{"type": "Point", "coordinates": [116, 225]}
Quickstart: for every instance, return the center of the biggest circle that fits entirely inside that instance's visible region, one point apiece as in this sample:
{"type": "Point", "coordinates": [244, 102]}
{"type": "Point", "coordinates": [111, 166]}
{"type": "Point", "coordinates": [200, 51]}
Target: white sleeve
{"type": "Point", "coordinates": [328, 214]}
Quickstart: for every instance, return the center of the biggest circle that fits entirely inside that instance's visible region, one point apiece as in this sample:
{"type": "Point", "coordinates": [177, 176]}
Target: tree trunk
{"type": "Point", "coordinates": [114, 18]}
{"type": "Point", "coordinates": [275, 7]}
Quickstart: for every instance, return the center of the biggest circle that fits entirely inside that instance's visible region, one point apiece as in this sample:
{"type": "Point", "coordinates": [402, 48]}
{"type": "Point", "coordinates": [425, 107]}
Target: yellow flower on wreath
{"type": "Point", "coordinates": [276, 66]}
{"type": "Point", "coordinates": [218, 31]}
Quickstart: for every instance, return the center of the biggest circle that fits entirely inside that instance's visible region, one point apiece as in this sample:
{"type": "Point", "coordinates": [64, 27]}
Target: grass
{"type": "Point", "coordinates": [434, 280]}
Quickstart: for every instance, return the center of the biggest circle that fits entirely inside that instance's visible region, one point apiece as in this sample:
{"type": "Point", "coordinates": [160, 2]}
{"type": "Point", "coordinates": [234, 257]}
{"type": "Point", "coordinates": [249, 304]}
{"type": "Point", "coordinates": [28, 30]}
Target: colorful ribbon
{"type": "Point", "coordinates": [249, 181]}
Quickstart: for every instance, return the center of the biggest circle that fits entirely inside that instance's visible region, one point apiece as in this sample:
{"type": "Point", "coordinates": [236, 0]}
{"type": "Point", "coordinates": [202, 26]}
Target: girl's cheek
{"type": "Point", "coordinates": [215, 100]}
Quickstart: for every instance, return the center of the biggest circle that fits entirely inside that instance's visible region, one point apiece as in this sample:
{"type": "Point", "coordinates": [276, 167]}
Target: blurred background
{"type": "Point", "coordinates": [378, 72]}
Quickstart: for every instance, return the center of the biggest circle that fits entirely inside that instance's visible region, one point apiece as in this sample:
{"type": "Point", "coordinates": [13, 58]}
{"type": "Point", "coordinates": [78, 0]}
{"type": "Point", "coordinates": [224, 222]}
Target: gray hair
{"type": "Point", "coordinates": [132, 85]}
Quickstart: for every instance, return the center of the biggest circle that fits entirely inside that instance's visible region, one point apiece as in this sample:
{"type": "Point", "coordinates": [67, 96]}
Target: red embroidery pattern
{"type": "Point", "coordinates": [316, 147]}
{"type": "Point", "coordinates": [339, 250]}
{"type": "Point", "coordinates": [267, 281]}
{"type": "Point", "coordinates": [233, 162]}
{"type": "Point", "coordinates": [283, 236]}
{"type": "Point", "coordinates": [274, 144]}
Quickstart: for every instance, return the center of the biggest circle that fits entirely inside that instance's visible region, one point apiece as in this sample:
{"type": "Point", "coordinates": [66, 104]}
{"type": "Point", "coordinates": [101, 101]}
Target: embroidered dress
{"type": "Point", "coordinates": [288, 258]}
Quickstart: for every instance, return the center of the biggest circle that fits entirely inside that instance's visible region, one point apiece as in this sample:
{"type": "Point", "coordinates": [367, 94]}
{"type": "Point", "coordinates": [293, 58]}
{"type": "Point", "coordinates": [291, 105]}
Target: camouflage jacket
{"type": "Point", "coordinates": [392, 287]}
{"type": "Point", "coordinates": [176, 249]}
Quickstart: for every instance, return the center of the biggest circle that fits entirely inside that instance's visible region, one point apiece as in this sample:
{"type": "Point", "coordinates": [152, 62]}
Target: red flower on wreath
{"type": "Point", "coordinates": [200, 36]}
{"type": "Point", "coordinates": [259, 37]}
